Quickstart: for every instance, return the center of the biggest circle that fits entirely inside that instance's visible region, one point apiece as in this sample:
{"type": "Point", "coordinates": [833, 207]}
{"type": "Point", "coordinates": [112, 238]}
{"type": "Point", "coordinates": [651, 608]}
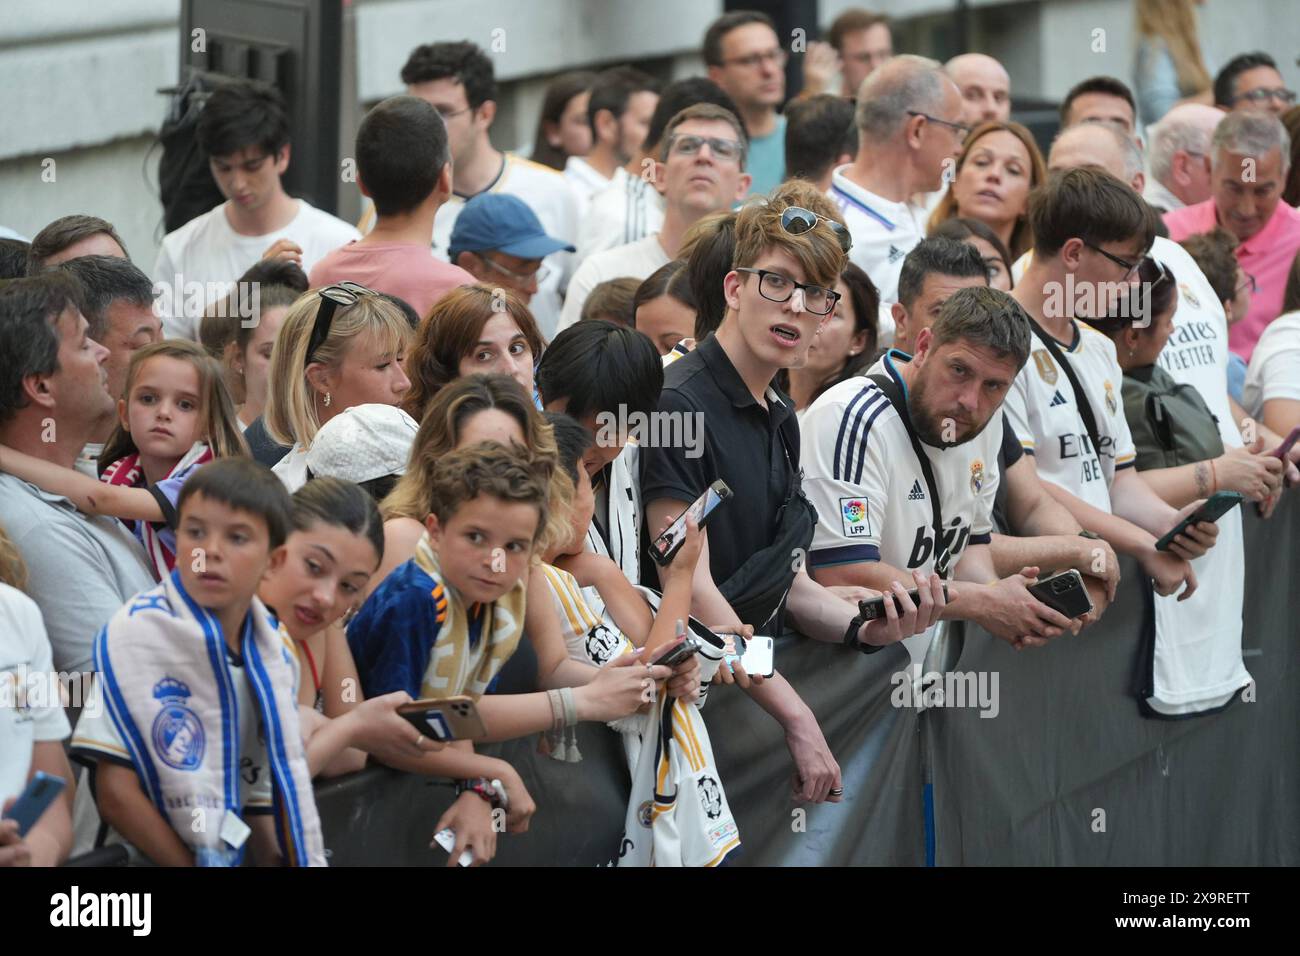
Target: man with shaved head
{"type": "Point", "coordinates": [909, 130]}
{"type": "Point", "coordinates": [985, 88]}
{"type": "Point", "coordinates": [1178, 161]}
{"type": "Point", "coordinates": [1099, 144]}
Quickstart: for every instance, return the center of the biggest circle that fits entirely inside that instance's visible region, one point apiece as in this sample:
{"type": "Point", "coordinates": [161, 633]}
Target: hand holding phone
{"type": "Point", "coordinates": [1284, 449]}
{"type": "Point", "coordinates": [1215, 507]}
{"type": "Point", "coordinates": [38, 796]}
{"type": "Point", "coordinates": [755, 656]}
{"type": "Point", "coordinates": [1064, 592]}
{"type": "Point", "coordinates": [444, 719]}
{"type": "Point", "coordinates": [664, 547]}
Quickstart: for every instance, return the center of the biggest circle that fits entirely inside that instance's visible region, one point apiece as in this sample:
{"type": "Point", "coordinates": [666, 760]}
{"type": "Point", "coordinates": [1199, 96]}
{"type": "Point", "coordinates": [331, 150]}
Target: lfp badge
{"type": "Point", "coordinates": [853, 512]}
{"type": "Point", "coordinates": [177, 731]}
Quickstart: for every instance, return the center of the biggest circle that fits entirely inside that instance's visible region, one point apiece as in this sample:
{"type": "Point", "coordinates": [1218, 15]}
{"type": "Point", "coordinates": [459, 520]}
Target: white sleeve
{"type": "Point", "coordinates": [982, 519]}
{"type": "Point", "coordinates": [580, 286]}
{"type": "Point", "coordinates": [48, 720]}
{"type": "Point", "coordinates": [96, 733]}
{"type": "Point", "coordinates": [849, 489]}
{"type": "Point", "coordinates": [1016, 406]}
{"type": "Point", "coordinates": [1279, 375]}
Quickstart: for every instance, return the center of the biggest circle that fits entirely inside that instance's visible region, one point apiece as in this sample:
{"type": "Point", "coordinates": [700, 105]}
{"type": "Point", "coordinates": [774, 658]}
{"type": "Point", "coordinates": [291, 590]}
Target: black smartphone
{"type": "Point", "coordinates": [875, 608]}
{"type": "Point", "coordinates": [1215, 507]}
{"type": "Point", "coordinates": [1064, 592]}
{"type": "Point", "coordinates": [678, 652]}
{"type": "Point", "coordinates": [664, 547]}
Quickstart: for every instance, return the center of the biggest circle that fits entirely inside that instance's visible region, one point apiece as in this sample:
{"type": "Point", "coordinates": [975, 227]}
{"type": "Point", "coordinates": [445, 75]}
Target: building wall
{"type": "Point", "coordinates": [80, 76]}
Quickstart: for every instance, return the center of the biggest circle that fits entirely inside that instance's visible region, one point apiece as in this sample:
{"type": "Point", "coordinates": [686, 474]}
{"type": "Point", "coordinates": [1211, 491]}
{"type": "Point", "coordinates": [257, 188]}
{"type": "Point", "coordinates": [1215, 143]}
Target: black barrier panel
{"type": "Point", "coordinates": [1023, 787]}
{"type": "Point", "coordinates": [1069, 773]}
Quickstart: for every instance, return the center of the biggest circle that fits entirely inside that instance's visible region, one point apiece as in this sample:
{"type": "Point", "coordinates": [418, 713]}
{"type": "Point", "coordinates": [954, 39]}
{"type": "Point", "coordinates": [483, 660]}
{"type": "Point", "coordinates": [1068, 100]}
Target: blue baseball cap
{"type": "Point", "coordinates": [496, 221]}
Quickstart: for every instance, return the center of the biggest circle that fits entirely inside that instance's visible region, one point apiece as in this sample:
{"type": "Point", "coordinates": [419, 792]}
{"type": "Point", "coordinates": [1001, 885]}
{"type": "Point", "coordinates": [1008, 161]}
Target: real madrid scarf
{"type": "Point", "coordinates": [454, 666]}
{"type": "Point", "coordinates": [127, 471]}
{"type": "Point", "coordinates": [169, 690]}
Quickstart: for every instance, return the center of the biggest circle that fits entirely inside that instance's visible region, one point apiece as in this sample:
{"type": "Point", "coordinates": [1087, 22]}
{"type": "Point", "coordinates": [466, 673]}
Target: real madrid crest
{"type": "Point", "coordinates": [1186, 293]}
{"type": "Point", "coordinates": [177, 731]}
{"type": "Point", "coordinates": [1046, 367]}
{"type": "Point", "coordinates": [1111, 404]}
{"type": "Point", "coordinates": [976, 475]}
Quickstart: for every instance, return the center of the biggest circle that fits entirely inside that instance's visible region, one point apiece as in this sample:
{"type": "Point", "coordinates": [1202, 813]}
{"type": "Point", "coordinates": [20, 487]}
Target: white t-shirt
{"type": "Point", "coordinates": [585, 181]}
{"type": "Point", "coordinates": [626, 210]}
{"type": "Point", "coordinates": [1040, 406]}
{"type": "Point", "coordinates": [207, 250]}
{"type": "Point", "coordinates": [31, 711]}
{"type": "Point", "coordinates": [637, 259]}
{"type": "Point", "coordinates": [862, 475]}
{"type": "Point", "coordinates": [883, 231]}
{"type": "Point", "coordinates": [548, 195]}
{"type": "Point", "coordinates": [1274, 365]}
{"type": "Point", "coordinates": [88, 461]}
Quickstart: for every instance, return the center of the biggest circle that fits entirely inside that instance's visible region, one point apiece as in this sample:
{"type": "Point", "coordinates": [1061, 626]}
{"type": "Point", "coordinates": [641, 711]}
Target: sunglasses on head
{"type": "Point", "coordinates": [332, 298]}
{"type": "Point", "coordinates": [796, 220]}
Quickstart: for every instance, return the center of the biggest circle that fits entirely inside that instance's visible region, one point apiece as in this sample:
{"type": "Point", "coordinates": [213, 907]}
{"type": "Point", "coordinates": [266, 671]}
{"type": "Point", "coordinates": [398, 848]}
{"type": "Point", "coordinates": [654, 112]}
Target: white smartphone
{"type": "Point", "coordinates": [756, 655]}
{"type": "Point", "coordinates": [446, 838]}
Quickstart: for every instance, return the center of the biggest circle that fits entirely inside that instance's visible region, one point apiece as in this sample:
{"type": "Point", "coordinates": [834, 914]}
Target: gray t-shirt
{"type": "Point", "coordinates": [81, 569]}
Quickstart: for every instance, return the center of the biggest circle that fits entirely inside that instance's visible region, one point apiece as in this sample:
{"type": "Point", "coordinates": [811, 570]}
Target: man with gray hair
{"type": "Point", "coordinates": [1178, 162]}
{"type": "Point", "coordinates": [909, 136]}
{"type": "Point", "coordinates": [1250, 156]}
{"type": "Point", "coordinates": [1101, 144]}
{"type": "Point", "coordinates": [117, 300]}
{"type": "Point", "coordinates": [985, 87]}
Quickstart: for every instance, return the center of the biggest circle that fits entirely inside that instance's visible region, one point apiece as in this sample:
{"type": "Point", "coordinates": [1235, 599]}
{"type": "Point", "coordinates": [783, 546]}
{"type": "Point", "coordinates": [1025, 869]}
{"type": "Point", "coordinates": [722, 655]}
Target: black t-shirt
{"type": "Point", "coordinates": [1010, 453]}
{"type": "Point", "coordinates": [737, 440]}
{"type": "Point", "coordinates": [264, 449]}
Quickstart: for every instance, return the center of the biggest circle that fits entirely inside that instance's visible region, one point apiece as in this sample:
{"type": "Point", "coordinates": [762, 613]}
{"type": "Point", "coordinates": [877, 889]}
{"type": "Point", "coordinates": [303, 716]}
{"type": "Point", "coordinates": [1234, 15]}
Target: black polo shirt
{"type": "Point", "coordinates": [742, 445]}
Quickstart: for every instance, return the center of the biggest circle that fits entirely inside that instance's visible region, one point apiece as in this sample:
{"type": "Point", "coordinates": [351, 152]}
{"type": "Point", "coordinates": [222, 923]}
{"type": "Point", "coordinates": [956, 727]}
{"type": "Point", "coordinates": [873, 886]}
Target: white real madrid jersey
{"type": "Point", "coordinates": [883, 231]}
{"type": "Point", "coordinates": [862, 475]}
{"type": "Point", "coordinates": [1041, 408]}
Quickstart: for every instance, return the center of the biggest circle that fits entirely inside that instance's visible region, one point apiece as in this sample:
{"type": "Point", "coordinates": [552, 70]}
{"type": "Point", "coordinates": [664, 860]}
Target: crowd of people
{"type": "Point", "coordinates": [255, 504]}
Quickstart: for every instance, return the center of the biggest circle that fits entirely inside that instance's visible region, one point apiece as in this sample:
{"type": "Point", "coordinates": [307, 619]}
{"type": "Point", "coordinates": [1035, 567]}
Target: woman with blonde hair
{"type": "Point", "coordinates": [339, 346]}
{"type": "Point", "coordinates": [999, 164]}
{"type": "Point", "coordinates": [476, 329]}
{"type": "Point", "coordinates": [1169, 66]}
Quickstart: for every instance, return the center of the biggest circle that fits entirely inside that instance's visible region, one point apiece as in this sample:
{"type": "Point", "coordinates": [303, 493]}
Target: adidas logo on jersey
{"type": "Point", "coordinates": [1057, 399]}
{"type": "Point", "coordinates": [917, 493]}
{"type": "Point", "coordinates": [895, 253]}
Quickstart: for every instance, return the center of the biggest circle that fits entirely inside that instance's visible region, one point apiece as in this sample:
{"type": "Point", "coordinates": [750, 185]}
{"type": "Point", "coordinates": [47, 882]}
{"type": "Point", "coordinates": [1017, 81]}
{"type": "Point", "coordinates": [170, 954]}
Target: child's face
{"type": "Point", "coordinates": [162, 410]}
{"type": "Point", "coordinates": [584, 507]}
{"type": "Point", "coordinates": [316, 576]}
{"type": "Point", "coordinates": [484, 547]}
{"type": "Point", "coordinates": [221, 552]}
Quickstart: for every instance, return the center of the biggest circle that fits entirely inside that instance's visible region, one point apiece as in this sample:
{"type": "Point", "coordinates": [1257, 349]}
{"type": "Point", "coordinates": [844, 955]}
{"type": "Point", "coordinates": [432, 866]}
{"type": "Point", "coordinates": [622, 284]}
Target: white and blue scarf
{"type": "Point", "coordinates": [170, 692]}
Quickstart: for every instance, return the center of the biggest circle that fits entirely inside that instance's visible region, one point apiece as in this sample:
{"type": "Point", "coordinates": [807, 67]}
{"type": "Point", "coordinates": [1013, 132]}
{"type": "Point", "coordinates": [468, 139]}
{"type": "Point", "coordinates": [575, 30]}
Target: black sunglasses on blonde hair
{"type": "Point", "coordinates": [332, 297]}
{"type": "Point", "coordinates": [796, 221]}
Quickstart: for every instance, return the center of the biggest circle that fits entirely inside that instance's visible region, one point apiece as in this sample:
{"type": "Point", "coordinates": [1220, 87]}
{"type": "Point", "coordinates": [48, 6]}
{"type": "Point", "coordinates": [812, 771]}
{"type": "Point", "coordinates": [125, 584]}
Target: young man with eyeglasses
{"type": "Point", "coordinates": [1252, 82]}
{"type": "Point", "coordinates": [1091, 232]}
{"type": "Point", "coordinates": [403, 165]}
{"type": "Point", "coordinates": [244, 132]}
{"type": "Point", "coordinates": [499, 241]}
{"type": "Point", "coordinates": [701, 170]}
{"type": "Point", "coordinates": [458, 80]}
{"type": "Point", "coordinates": [744, 56]}
{"type": "Point", "coordinates": [908, 134]}
{"type": "Point", "coordinates": [751, 570]}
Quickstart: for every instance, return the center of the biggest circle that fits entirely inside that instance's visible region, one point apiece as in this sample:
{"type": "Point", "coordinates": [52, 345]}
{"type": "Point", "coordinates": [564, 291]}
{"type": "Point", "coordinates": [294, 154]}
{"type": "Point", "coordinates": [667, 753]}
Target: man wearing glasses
{"type": "Point", "coordinates": [458, 80]}
{"type": "Point", "coordinates": [1091, 232]}
{"type": "Point", "coordinates": [499, 241]}
{"type": "Point", "coordinates": [701, 170]}
{"type": "Point", "coordinates": [1252, 82]}
{"type": "Point", "coordinates": [1250, 157]}
{"type": "Point", "coordinates": [745, 58]}
{"type": "Point", "coordinates": [908, 134]}
{"type": "Point", "coordinates": [788, 255]}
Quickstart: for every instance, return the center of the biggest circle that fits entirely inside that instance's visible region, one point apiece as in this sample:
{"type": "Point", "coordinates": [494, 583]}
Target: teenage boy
{"type": "Point", "coordinates": [778, 294]}
{"type": "Point", "coordinates": [404, 166]}
{"type": "Point", "coordinates": [244, 132]}
{"type": "Point", "coordinates": [194, 734]}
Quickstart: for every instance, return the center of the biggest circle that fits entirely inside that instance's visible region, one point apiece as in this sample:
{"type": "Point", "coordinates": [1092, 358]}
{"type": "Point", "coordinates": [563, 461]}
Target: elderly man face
{"type": "Point", "coordinates": [1247, 190]}
{"type": "Point", "coordinates": [985, 88]}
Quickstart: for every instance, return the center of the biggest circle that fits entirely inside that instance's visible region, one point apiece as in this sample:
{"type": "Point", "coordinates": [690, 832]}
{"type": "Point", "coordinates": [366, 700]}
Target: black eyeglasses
{"type": "Point", "coordinates": [796, 220]}
{"type": "Point", "coordinates": [332, 298]}
{"type": "Point", "coordinates": [1250, 284]}
{"type": "Point", "coordinates": [778, 288]}
{"type": "Point", "coordinates": [961, 129]}
{"type": "Point", "coordinates": [1128, 267]}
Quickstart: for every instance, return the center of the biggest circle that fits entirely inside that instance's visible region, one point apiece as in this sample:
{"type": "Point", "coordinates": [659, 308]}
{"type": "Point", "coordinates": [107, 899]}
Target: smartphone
{"type": "Point", "coordinates": [677, 653]}
{"type": "Point", "coordinates": [758, 656]}
{"type": "Point", "coordinates": [449, 718]}
{"type": "Point", "coordinates": [41, 791]}
{"type": "Point", "coordinates": [1064, 592]}
{"type": "Point", "coordinates": [446, 838]}
{"type": "Point", "coordinates": [665, 547]}
{"type": "Point", "coordinates": [875, 608]}
{"type": "Point", "coordinates": [1215, 507]}
{"type": "Point", "coordinates": [1282, 450]}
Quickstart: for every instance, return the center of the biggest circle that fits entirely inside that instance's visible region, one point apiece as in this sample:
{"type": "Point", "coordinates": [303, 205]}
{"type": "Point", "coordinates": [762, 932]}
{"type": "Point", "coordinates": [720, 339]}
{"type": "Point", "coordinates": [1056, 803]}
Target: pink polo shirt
{"type": "Point", "coordinates": [1267, 255]}
{"type": "Point", "coordinates": [404, 269]}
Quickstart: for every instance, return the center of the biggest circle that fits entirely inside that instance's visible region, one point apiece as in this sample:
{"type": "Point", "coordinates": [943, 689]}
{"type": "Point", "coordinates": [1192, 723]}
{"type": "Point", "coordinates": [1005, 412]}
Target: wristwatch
{"type": "Point", "coordinates": [851, 635]}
